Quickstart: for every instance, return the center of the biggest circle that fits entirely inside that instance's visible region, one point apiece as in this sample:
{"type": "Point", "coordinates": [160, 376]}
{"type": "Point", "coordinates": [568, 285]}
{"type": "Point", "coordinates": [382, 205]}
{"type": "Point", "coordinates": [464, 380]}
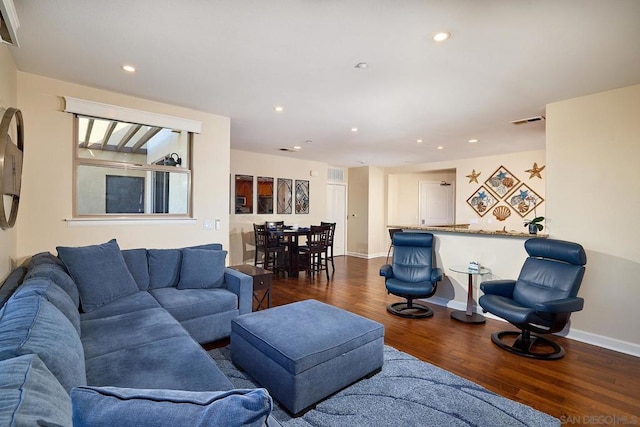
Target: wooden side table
{"type": "Point", "coordinates": [261, 284]}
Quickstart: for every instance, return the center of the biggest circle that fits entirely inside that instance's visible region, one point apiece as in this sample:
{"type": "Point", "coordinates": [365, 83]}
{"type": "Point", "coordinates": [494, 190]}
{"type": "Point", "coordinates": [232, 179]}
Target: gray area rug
{"type": "Point", "coordinates": [407, 392]}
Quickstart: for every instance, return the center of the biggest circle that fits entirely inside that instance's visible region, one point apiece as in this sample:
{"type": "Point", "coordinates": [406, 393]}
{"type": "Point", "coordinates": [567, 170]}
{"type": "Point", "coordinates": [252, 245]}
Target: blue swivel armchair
{"type": "Point", "coordinates": [411, 274]}
{"type": "Point", "coordinates": [541, 300]}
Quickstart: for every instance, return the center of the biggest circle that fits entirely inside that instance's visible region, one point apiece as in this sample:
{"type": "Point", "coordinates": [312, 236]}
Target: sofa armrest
{"type": "Point", "coordinates": [241, 285]}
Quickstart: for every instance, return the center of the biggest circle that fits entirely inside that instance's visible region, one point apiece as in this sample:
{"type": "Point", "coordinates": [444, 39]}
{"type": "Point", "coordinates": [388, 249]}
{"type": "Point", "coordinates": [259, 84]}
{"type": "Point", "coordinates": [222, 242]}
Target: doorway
{"type": "Point", "coordinates": [437, 203]}
{"type": "Point", "coordinates": [337, 212]}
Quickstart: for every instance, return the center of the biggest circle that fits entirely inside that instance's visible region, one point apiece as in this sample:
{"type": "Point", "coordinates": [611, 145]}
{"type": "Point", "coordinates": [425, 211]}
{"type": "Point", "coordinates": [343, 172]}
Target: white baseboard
{"type": "Point", "coordinates": [574, 334]}
{"type": "Point", "coordinates": [366, 256]}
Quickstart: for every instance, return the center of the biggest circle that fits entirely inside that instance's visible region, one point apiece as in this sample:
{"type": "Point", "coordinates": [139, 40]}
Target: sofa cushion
{"type": "Point", "coordinates": [127, 330]}
{"type": "Point", "coordinates": [202, 268]}
{"type": "Point", "coordinates": [58, 274]}
{"type": "Point", "coordinates": [177, 363]}
{"type": "Point", "coordinates": [193, 303]}
{"type": "Point", "coordinates": [136, 260]}
{"type": "Point", "coordinates": [108, 406]}
{"type": "Point", "coordinates": [164, 267]}
{"type": "Point", "coordinates": [30, 395]}
{"type": "Point", "coordinates": [45, 258]}
{"type": "Point", "coordinates": [209, 246]}
{"type": "Point", "coordinates": [141, 300]}
{"type": "Point", "coordinates": [32, 325]}
{"type": "Point", "coordinates": [54, 294]}
{"type": "Point", "coordinates": [100, 273]}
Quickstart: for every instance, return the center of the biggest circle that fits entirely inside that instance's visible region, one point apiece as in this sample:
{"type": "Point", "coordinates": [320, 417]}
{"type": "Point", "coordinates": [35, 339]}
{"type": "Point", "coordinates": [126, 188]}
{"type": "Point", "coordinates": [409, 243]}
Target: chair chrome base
{"type": "Point", "coordinates": [524, 343]}
{"type": "Point", "coordinates": [410, 310]}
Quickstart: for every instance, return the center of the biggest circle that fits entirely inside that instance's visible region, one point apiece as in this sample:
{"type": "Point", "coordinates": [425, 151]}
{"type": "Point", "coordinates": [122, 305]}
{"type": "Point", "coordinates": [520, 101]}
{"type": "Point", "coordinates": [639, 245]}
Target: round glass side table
{"type": "Point", "coordinates": [469, 316]}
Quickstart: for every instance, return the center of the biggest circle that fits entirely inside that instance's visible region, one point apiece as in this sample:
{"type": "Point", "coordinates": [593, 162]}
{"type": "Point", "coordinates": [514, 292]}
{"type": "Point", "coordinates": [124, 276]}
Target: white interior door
{"type": "Point", "coordinates": [437, 203]}
{"type": "Point", "coordinates": [337, 212]}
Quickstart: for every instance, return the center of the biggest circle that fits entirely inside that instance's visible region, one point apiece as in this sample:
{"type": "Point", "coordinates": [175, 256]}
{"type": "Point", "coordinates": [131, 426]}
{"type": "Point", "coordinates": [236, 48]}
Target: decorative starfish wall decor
{"type": "Point", "coordinates": [473, 177]}
{"type": "Point", "coordinates": [535, 171]}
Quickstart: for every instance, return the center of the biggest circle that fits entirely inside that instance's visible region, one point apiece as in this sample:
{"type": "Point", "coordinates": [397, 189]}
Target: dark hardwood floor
{"type": "Point", "coordinates": [589, 386]}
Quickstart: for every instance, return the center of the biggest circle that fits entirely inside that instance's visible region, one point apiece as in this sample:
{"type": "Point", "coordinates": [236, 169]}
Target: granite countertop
{"type": "Point", "coordinates": [464, 228]}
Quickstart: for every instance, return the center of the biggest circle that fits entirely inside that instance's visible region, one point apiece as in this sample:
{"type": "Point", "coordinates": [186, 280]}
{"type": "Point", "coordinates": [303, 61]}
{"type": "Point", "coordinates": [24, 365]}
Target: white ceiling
{"type": "Point", "coordinates": [504, 61]}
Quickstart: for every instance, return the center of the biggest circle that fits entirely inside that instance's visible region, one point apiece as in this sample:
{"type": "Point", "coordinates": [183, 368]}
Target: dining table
{"type": "Point", "coordinates": [291, 237]}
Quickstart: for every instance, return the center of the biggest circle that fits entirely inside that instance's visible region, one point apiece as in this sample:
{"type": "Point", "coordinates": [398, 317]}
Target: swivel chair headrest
{"type": "Point", "coordinates": [413, 239]}
{"type": "Point", "coordinates": [560, 250]}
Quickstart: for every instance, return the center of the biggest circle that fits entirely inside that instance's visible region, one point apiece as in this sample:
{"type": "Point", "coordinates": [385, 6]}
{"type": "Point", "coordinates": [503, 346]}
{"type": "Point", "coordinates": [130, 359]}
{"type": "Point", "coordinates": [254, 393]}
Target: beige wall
{"type": "Point", "coordinates": [47, 180]}
{"type": "Point", "coordinates": [404, 190]}
{"type": "Point", "coordinates": [593, 150]}
{"type": "Point", "coordinates": [254, 164]}
{"type": "Point", "coordinates": [8, 98]}
{"type": "Point", "coordinates": [358, 212]}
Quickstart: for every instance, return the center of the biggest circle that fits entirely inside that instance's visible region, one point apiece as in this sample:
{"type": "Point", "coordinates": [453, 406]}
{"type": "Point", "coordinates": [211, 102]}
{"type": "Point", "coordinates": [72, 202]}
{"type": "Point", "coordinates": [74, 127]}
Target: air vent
{"type": "Point", "coordinates": [9, 23]}
{"type": "Point", "coordinates": [529, 120]}
{"type": "Point", "coordinates": [335, 174]}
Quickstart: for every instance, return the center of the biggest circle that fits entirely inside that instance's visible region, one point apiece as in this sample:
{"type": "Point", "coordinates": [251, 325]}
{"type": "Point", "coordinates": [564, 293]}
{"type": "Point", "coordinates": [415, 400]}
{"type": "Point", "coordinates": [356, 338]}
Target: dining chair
{"type": "Point", "coordinates": [313, 254]}
{"type": "Point", "coordinates": [273, 252]}
{"type": "Point", "coordinates": [332, 232]}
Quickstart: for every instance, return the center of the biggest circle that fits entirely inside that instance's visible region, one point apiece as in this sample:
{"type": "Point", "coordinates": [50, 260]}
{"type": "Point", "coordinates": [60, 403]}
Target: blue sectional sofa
{"type": "Point", "coordinates": [103, 336]}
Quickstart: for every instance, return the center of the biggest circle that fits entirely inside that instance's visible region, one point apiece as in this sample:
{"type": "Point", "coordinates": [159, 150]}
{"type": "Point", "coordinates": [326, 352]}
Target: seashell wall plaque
{"type": "Point", "coordinates": [501, 213]}
{"type": "Point", "coordinates": [502, 182]}
{"type": "Point", "coordinates": [481, 201]}
{"type": "Point", "coordinates": [524, 200]}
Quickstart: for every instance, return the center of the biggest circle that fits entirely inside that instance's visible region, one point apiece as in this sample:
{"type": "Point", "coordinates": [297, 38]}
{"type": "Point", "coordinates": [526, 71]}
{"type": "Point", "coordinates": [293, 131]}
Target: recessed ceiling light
{"type": "Point", "coordinates": [296, 147]}
{"type": "Point", "coordinates": [361, 65]}
{"type": "Point", "coordinates": [440, 147]}
{"type": "Point", "coordinates": [354, 129]}
{"type": "Point", "coordinates": [419, 141]}
{"type": "Point", "coordinates": [473, 141]}
{"type": "Point", "coordinates": [129, 68]}
{"type": "Point", "coordinates": [442, 36]}
{"type": "Point", "coordinates": [278, 108]}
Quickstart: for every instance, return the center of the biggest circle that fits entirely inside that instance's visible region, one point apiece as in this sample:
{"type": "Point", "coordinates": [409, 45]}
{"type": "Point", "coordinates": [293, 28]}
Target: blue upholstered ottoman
{"type": "Point", "coordinates": [305, 351]}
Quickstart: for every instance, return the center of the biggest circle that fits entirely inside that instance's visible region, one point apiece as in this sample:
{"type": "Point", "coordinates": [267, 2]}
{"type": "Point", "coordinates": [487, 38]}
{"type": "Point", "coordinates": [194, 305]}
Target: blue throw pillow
{"type": "Point", "coordinates": [202, 269]}
{"type": "Point", "coordinates": [100, 273]}
{"type": "Point", "coordinates": [136, 260]}
{"type": "Point", "coordinates": [164, 267]}
{"type": "Point", "coordinates": [32, 325]}
{"type": "Point", "coordinates": [112, 406]}
{"type": "Point", "coordinates": [31, 395]}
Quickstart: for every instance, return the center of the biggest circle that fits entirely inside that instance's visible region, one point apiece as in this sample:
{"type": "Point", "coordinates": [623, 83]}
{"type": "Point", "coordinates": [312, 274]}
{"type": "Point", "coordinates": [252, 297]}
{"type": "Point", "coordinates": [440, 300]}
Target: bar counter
{"type": "Point", "coordinates": [464, 228]}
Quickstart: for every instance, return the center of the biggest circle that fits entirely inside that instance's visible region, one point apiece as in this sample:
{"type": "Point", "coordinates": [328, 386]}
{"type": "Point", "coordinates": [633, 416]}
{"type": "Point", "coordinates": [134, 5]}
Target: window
{"type": "Point", "coordinates": [130, 169]}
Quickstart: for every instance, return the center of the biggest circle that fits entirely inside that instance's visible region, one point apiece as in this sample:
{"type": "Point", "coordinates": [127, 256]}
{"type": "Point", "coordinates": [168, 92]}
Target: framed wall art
{"type": "Point", "coordinates": [481, 201]}
{"type": "Point", "coordinates": [524, 200]}
{"type": "Point", "coordinates": [302, 196]}
{"type": "Point", "coordinates": [284, 195]}
{"type": "Point", "coordinates": [501, 182]}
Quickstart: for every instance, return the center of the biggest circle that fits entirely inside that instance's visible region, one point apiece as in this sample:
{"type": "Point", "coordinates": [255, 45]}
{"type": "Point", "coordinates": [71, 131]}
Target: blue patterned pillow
{"type": "Point", "coordinates": [31, 395]}
{"type": "Point", "coordinates": [100, 273]}
{"type": "Point", "coordinates": [202, 269]}
{"type": "Point", "coordinates": [160, 408]}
